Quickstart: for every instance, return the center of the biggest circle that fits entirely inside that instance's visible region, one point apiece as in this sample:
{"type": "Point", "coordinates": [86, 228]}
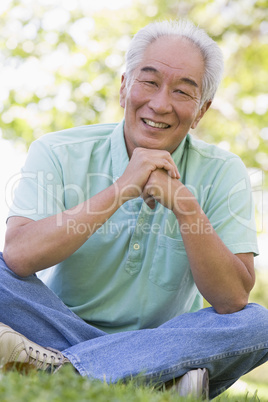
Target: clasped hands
{"type": "Point", "coordinates": [160, 187]}
{"type": "Point", "coordinates": [152, 174]}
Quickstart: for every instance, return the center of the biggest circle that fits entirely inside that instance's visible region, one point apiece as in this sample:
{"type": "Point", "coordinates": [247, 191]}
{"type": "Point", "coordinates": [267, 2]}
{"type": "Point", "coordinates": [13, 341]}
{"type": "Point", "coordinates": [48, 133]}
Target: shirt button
{"type": "Point", "coordinates": [136, 246]}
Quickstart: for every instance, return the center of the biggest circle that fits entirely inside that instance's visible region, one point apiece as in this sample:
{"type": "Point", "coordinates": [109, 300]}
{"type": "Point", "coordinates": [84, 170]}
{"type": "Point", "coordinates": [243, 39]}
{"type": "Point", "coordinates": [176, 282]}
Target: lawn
{"type": "Point", "coordinates": [68, 386]}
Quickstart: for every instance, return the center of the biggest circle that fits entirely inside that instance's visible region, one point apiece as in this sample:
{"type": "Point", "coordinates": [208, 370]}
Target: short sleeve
{"type": "Point", "coordinates": [230, 207]}
{"type": "Point", "coordinates": [40, 192]}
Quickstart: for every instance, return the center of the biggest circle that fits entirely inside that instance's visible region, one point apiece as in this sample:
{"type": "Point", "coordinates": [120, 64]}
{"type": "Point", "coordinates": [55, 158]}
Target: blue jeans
{"type": "Point", "coordinates": [227, 345]}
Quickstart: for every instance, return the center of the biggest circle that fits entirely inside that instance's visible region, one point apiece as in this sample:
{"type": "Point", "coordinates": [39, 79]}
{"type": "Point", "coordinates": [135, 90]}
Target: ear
{"type": "Point", "coordinates": [123, 91]}
{"type": "Point", "coordinates": [201, 113]}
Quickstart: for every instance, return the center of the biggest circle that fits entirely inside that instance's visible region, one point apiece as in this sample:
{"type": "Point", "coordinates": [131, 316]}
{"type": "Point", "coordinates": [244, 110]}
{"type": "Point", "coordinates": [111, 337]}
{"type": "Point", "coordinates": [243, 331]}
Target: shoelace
{"type": "Point", "coordinates": [42, 364]}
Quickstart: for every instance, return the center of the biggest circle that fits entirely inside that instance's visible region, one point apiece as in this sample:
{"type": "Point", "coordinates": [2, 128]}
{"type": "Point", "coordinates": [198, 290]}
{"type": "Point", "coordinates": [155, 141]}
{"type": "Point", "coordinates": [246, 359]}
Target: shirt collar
{"type": "Point", "coordinates": [178, 153]}
{"type": "Point", "coordinates": [120, 158]}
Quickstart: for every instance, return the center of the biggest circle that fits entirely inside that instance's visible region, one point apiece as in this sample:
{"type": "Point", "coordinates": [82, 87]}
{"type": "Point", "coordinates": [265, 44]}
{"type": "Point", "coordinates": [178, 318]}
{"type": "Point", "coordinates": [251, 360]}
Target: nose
{"type": "Point", "coordinates": [160, 101]}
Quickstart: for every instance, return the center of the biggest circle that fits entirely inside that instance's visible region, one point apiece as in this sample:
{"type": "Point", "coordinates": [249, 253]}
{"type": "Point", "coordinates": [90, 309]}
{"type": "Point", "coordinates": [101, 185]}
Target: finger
{"type": "Point", "coordinates": [158, 159]}
{"type": "Point", "coordinates": [173, 174]}
{"type": "Point", "coordinates": [171, 169]}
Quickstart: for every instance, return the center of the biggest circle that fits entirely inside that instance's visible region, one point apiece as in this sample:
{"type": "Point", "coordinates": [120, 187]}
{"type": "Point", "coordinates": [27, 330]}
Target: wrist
{"type": "Point", "coordinates": [126, 191]}
{"type": "Point", "coordinates": [185, 205]}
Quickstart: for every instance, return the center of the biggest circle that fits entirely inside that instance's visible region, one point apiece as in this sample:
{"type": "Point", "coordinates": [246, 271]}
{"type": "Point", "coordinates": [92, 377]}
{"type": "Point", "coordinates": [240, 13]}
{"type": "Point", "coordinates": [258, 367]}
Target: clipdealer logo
{"type": "Point", "coordinates": [50, 195]}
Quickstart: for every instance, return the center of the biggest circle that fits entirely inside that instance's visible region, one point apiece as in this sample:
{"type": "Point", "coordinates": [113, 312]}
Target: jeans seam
{"type": "Point", "coordinates": [197, 362]}
{"type": "Point", "coordinates": [76, 363]}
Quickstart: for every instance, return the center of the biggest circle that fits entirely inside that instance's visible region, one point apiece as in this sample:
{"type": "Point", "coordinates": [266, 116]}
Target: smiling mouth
{"type": "Point", "coordinates": [156, 125]}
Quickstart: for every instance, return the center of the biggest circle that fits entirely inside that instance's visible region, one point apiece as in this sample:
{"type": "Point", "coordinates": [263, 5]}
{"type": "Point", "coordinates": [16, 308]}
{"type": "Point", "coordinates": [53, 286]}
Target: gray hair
{"type": "Point", "coordinates": [210, 51]}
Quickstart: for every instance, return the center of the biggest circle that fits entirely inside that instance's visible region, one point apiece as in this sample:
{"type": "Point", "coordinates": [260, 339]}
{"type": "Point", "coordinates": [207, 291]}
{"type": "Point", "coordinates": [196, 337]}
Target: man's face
{"type": "Point", "coordinates": [163, 101]}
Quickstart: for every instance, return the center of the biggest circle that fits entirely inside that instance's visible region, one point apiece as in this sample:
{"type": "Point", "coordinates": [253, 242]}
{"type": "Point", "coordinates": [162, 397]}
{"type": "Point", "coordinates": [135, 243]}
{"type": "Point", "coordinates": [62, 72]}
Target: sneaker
{"type": "Point", "coordinates": [194, 383]}
{"type": "Point", "coordinates": [16, 350]}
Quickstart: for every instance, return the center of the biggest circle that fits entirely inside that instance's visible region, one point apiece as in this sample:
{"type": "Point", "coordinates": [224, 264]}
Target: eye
{"type": "Point", "coordinates": [179, 91]}
{"type": "Point", "coordinates": [151, 83]}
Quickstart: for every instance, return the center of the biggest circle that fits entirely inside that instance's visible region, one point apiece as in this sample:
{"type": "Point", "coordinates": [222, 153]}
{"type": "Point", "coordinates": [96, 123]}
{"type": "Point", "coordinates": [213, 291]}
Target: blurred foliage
{"type": "Point", "coordinates": [259, 292]}
{"type": "Point", "coordinates": [61, 62]}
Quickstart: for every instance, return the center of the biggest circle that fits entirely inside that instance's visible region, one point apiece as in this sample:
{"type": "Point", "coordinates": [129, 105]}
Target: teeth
{"type": "Point", "coordinates": [153, 124]}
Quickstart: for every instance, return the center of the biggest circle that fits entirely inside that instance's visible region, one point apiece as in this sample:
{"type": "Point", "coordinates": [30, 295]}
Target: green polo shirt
{"type": "Point", "coordinates": [133, 272]}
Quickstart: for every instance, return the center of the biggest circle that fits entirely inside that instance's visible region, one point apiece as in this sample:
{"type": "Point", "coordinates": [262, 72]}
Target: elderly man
{"type": "Point", "coordinates": [140, 221]}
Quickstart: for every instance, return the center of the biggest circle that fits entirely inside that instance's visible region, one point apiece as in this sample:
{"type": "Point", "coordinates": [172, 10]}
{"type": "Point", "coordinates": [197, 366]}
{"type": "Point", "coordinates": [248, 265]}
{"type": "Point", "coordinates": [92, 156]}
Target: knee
{"type": "Point", "coordinates": [6, 272]}
{"type": "Point", "coordinates": [257, 317]}
{"type": "Point", "coordinates": [3, 265]}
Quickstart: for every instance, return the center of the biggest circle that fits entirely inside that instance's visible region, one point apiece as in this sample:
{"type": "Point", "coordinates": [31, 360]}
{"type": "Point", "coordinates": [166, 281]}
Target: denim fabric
{"type": "Point", "coordinates": [228, 345]}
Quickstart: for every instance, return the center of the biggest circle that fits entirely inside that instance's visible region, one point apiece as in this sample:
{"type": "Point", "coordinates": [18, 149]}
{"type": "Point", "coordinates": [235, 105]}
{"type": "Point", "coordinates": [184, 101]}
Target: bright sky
{"type": "Point", "coordinates": [72, 4]}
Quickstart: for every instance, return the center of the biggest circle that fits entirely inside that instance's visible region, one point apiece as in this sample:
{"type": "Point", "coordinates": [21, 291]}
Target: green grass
{"type": "Point", "coordinates": [68, 386]}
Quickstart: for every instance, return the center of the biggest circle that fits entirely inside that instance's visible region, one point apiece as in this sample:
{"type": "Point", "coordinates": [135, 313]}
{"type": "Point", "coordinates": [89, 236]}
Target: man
{"type": "Point", "coordinates": [140, 221]}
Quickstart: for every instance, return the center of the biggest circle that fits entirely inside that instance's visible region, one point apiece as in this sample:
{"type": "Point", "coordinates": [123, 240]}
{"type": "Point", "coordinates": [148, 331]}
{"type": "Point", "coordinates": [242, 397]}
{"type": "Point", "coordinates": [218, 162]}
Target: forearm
{"type": "Point", "coordinates": [37, 245]}
{"type": "Point", "coordinates": [222, 278]}
{"type": "Point", "coordinates": [33, 246]}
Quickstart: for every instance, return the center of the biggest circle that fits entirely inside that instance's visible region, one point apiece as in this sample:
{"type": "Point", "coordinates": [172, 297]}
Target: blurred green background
{"type": "Point", "coordinates": [61, 63]}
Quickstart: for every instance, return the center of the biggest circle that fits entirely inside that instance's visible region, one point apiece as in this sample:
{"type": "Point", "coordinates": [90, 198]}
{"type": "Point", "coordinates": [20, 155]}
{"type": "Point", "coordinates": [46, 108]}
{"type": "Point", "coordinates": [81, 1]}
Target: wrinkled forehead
{"type": "Point", "coordinates": [174, 52]}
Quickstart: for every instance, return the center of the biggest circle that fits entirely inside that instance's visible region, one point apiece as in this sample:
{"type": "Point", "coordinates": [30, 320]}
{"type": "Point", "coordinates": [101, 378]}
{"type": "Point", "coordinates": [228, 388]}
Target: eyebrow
{"type": "Point", "coordinates": [149, 69]}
